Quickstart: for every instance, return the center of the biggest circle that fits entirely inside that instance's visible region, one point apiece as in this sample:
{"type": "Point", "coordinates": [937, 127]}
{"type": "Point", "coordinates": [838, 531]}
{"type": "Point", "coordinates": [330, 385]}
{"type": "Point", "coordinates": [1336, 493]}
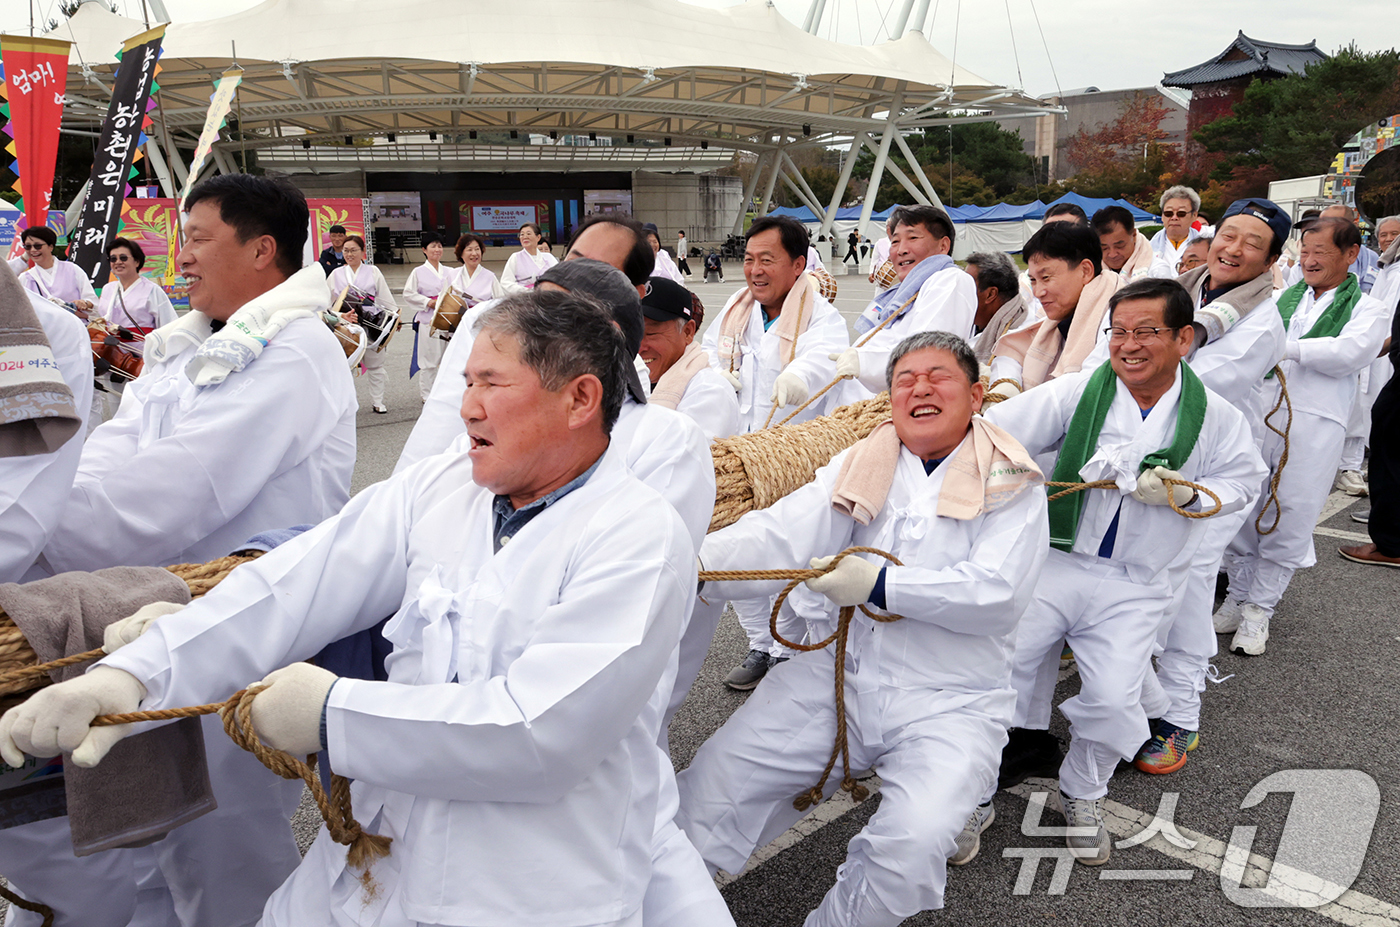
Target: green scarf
{"type": "Point", "coordinates": [1333, 319]}
{"type": "Point", "coordinates": [1083, 438]}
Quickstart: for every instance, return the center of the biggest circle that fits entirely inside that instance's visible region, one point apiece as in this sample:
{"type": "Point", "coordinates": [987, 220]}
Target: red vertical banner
{"type": "Point", "coordinates": [36, 75]}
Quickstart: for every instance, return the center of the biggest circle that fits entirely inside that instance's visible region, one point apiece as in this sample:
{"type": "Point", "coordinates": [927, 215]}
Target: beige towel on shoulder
{"type": "Point", "coordinates": [671, 387]}
{"type": "Point", "coordinates": [1140, 260]}
{"type": "Point", "coordinates": [36, 405]}
{"type": "Point", "coordinates": [1044, 353]}
{"type": "Point", "coordinates": [989, 469]}
{"type": "Point", "coordinates": [798, 309]}
{"type": "Point", "coordinates": [150, 783]}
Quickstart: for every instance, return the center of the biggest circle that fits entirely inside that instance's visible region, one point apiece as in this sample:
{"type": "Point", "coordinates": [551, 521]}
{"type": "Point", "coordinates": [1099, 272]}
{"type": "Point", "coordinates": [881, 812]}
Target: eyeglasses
{"type": "Point", "coordinates": [1140, 335]}
{"type": "Point", "coordinates": [1178, 214]}
{"type": "Point", "coordinates": [119, 259]}
{"type": "Point", "coordinates": [35, 246]}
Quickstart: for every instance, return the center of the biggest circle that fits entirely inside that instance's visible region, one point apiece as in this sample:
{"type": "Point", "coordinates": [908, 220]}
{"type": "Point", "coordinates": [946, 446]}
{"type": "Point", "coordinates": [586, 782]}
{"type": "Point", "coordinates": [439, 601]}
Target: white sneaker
{"type": "Point", "coordinates": [1091, 850]}
{"type": "Point", "coordinates": [1351, 483]}
{"type": "Point", "coordinates": [970, 840]}
{"type": "Point", "coordinates": [1253, 632]}
{"type": "Point", "coordinates": [1227, 616]}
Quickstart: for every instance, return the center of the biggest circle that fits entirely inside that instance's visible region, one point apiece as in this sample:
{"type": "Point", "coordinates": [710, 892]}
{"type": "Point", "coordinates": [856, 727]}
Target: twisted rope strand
{"type": "Point", "coordinates": [1272, 499]}
{"type": "Point", "coordinates": [236, 714]}
{"type": "Point", "coordinates": [840, 748]}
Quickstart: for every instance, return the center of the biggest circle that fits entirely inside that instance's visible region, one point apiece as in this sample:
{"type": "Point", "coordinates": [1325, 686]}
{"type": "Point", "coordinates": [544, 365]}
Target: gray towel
{"type": "Point", "coordinates": [152, 782]}
{"type": "Point", "coordinates": [36, 405]}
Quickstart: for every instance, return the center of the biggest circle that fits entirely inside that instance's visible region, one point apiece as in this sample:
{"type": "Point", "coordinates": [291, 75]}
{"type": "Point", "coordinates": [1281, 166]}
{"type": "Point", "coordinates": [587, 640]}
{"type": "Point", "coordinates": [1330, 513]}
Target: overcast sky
{"type": "Point", "coordinates": [1110, 44]}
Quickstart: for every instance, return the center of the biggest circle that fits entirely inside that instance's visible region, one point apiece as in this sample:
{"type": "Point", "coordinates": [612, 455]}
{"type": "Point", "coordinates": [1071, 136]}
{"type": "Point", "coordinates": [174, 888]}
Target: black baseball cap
{"type": "Point", "coordinates": [1266, 211]}
{"type": "Point", "coordinates": [664, 300]}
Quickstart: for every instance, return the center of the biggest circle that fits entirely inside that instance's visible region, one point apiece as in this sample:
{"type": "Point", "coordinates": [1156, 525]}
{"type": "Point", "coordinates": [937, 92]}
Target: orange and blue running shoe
{"type": "Point", "coordinates": [1166, 751]}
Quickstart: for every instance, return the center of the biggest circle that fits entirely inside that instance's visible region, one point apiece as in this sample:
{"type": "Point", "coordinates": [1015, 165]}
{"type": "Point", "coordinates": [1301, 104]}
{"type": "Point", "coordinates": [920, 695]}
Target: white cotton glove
{"type": "Point", "coordinates": [120, 633]}
{"type": "Point", "coordinates": [789, 390]}
{"type": "Point", "coordinates": [57, 719]}
{"type": "Point", "coordinates": [1005, 390]}
{"type": "Point", "coordinates": [733, 379]}
{"type": "Point", "coordinates": [849, 584]}
{"type": "Point", "coordinates": [1152, 491]}
{"type": "Point", "coordinates": [287, 714]}
{"type": "Point", "coordinates": [847, 363]}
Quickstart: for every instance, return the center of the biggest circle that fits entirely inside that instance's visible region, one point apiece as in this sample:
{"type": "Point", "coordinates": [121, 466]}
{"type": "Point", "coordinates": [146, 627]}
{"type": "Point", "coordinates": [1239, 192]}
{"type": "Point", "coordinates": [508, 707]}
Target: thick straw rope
{"type": "Point", "coordinates": [19, 670]}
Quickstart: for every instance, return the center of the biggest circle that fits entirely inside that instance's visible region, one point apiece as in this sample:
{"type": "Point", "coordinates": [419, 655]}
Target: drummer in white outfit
{"type": "Point", "coordinates": [933, 295]}
{"type": "Point", "coordinates": [524, 267]}
{"type": "Point", "coordinates": [473, 283]}
{"type": "Point", "coordinates": [421, 290]}
{"type": "Point", "coordinates": [132, 301]}
{"type": "Point", "coordinates": [204, 453]}
{"type": "Point", "coordinates": [528, 749]}
{"type": "Point", "coordinates": [368, 280]}
{"type": "Point", "coordinates": [55, 280]}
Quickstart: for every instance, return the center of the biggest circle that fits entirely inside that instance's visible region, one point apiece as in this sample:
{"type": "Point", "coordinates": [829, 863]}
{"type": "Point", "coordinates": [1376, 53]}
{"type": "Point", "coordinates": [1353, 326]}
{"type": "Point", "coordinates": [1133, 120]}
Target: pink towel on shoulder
{"type": "Point", "coordinates": [671, 387]}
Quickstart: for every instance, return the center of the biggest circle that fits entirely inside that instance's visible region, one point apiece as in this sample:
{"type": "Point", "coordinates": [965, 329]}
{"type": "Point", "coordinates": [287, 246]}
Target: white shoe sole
{"type": "Point", "coordinates": [977, 848]}
{"type": "Point", "coordinates": [1253, 648]}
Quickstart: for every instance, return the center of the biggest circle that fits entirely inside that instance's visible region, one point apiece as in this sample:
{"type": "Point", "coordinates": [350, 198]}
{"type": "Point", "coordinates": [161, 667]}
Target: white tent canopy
{"type": "Point", "coordinates": [655, 72]}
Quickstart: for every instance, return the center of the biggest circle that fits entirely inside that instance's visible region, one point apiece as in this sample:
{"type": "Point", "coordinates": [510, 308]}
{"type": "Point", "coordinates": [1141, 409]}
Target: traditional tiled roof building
{"type": "Point", "coordinates": [1218, 84]}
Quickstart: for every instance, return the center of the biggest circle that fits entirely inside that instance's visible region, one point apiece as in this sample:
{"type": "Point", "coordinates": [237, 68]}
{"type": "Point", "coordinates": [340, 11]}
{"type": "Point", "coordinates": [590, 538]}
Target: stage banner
{"type": "Point", "coordinates": [36, 75]}
{"type": "Point", "coordinates": [123, 132]}
{"type": "Point", "coordinates": [219, 104]}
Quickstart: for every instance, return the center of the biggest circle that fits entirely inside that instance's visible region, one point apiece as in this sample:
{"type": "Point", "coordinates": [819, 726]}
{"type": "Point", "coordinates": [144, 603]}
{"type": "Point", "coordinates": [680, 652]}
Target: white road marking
{"type": "Point", "coordinates": [1335, 503]}
{"type": "Point", "coordinates": [1289, 885]}
{"type": "Point", "coordinates": [1352, 536]}
{"type": "Point", "coordinates": [1354, 909]}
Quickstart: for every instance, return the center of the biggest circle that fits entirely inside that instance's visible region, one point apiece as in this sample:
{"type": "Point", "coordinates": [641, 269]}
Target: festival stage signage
{"type": "Point", "coordinates": [36, 75]}
{"type": "Point", "coordinates": [220, 101]}
{"type": "Point", "coordinates": [503, 219]}
{"type": "Point", "coordinates": [122, 134]}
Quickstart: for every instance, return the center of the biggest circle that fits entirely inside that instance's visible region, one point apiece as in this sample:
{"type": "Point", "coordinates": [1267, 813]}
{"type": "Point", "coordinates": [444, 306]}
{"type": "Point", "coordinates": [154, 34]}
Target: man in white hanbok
{"type": "Point", "coordinates": [1141, 419]}
{"type": "Point", "coordinates": [1239, 338]}
{"type": "Point", "coordinates": [775, 342]}
{"type": "Point", "coordinates": [933, 295]}
{"type": "Point", "coordinates": [1126, 251]}
{"type": "Point", "coordinates": [537, 590]}
{"type": "Point", "coordinates": [928, 697]}
{"type": "Point", "coordinates": [226, 435]}
{"type": "Point", "coordinates": [1334, 332]}
{"type": "Point", "coordinates": [1180, 205]}
{"type": "Point", "coordinates": [680, 371]}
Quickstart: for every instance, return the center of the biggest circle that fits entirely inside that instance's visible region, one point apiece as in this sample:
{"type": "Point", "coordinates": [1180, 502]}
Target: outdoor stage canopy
{"type": "Point", "coordinates": [684, 87]}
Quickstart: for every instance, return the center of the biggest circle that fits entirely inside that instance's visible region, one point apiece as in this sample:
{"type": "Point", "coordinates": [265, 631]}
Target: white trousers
{"type": "Point", "coordinates": [429, 356]}
{"type": "Point", "coordinates": [1187, 641]}
{"type": "Point", "coordinates": [1261, 565]}
{"type": "Point", "coordinates": [221, 868]}
{"type": "Point", "coordinates": [324, 892]}
{"type": "Point", "coordinates": [376, 376]}
{"type": "Point", "coordinates": [94, 891]}
{"type": "Point", "coordinates": [936, 753]}
{"type": "Point", "coordinates": [754, 618]}
{"type": "Point", "coordinates": [1111, 624]}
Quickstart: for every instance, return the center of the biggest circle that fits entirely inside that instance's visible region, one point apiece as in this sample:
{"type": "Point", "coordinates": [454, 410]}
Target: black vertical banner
{"type": "Point", "coordinates": [116, 150]}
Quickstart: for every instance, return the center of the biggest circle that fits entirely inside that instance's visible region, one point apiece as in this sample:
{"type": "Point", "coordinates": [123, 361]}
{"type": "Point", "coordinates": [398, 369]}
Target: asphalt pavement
{"type": "Point", "coordinates": [1322, 699]}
